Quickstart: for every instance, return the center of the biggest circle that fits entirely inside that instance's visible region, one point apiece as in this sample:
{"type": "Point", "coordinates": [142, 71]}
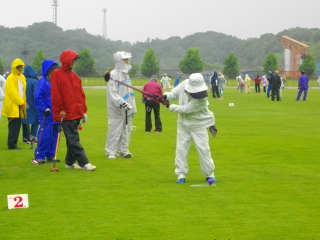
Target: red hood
{"type": "Point", "coordinates": [66, 57]}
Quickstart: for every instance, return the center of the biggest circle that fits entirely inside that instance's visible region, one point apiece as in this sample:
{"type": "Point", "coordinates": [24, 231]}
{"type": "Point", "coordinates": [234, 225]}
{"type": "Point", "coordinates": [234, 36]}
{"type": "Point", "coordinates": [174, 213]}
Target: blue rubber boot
{"type": "Point", "coordinates": [181, 180]}
{"type": "Point", "coordinates": [213, 179]}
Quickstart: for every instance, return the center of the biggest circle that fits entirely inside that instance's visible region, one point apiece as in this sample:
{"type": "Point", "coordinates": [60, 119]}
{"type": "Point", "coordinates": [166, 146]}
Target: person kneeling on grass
{"type": "Point", "coordinates": [193, 121]}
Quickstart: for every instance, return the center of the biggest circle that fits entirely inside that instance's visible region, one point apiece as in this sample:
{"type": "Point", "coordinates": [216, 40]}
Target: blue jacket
{"type": "Point", "coordinates": [214, 78]}
{"type": "Point", "coordinates": [176, 82]}
{"type": "Point", "coordinates": [31, 79]}
{"type": "Point", "coordinates": [303, 82]}
{"type": "Point", "coordinates": [42, 95]}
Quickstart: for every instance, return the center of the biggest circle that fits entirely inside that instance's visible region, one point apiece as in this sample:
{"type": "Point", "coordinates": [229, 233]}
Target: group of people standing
{"type": "Point", "coordinates": [57, 99]}
{"type": "Point", "coordinates": [218, 83]}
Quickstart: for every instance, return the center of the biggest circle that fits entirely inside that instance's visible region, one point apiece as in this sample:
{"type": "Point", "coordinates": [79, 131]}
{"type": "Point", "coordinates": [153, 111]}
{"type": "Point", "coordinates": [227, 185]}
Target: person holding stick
{"type": "Point", "coordinates": [121, 107]}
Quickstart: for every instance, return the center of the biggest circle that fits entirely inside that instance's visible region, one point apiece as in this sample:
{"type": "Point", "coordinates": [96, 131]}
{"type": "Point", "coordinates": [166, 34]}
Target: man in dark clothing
{"type": "Point", "coordinates": [303, 86]}
{"type": "Point", "coordinates": [214, 85]}
{"type": "Point", "coordinates": [275, 82]}
{"type": "Point", "coordinates": [154, 88]}
{"type": "Point", "coordinates": [257, 81]}
{"type": "Point", "coordinates": [69, 107]}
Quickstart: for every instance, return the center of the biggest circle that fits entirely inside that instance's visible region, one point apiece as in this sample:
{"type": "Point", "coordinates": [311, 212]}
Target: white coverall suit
{"type": "Point", "coordinates": [117, 94]}
{"type": "Point", "coordinates": [2, 86]}
{"type": "Point", "coordinates": [193, 121]}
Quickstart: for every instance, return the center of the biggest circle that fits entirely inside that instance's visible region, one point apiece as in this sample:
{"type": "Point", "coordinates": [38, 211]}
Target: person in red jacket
{"type": "Point", "coordinates": [155, 88]}
{"type": "Point", "coordinates": [257, 81]}
{"type": "Point", "coordinates": [69, 107]}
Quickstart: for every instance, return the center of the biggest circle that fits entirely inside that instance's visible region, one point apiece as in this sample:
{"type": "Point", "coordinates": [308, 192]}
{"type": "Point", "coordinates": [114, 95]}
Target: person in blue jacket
{"type": "Point", "coordinates": [214, 85]}
{"type": "Point", "coordinates": [42, 98]}
{"type": "Point", "coordinates": [32, 119]}
{"type": "Point", "coordinates": [269, 84]}
{"type": "Point", "coordinates": [176, 82]}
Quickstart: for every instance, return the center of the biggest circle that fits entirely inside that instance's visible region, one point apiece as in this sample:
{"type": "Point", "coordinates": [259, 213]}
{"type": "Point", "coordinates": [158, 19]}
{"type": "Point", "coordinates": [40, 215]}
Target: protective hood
{"type": "Point", "coordinates": [196, 83]}
{"type": "Point", "coordinates": [46, 65]}
{"type": "Point", "coordinates": [30, 72]}
{"type": "Point", "coordinates": [15, 63]}
{"type": "Point", "coordinates": [66, 57]}
{"type": "Point", "coordinates": [120, 65]}
{"type": "Point", "coordinates": [215, 73]}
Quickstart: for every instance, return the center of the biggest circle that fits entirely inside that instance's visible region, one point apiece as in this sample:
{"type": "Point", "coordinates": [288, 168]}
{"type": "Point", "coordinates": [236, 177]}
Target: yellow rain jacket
{"type": "Point", "coordinates": [12, 99]}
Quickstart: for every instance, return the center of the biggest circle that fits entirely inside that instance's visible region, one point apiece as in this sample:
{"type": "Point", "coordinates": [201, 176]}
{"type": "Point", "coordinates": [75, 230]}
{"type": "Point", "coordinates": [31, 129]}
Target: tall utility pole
{"type": "Point", "coordinates": [104, 29]}
{"type": "Point", "coordinates": [25, 53]}
{"type": "Point", "coordinates": [55, 5]}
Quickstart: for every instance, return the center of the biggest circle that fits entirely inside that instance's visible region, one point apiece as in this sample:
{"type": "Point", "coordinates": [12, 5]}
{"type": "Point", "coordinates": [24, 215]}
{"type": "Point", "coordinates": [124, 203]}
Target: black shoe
{"type": "Point", "coordinates": [16, 148]}
{"type": "Point", "coordinates": [51, 160]}
{"type": "Point", "coordinates": [34, 141]}
{"type": "Point", "coordinates": [26, 141]}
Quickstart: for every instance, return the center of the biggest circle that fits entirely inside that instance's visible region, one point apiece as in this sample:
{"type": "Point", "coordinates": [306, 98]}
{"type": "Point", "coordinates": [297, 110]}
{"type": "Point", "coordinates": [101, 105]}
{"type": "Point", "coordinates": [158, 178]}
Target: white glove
{"type": "Point", "coordinates": [85, 118]}
{"type": "Point", "coordinates": [126, 106]}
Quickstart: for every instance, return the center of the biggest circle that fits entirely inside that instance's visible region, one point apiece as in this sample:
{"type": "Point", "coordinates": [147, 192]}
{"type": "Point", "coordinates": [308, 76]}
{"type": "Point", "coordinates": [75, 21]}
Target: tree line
{"type": "Point", "coordinates": [213, 47]}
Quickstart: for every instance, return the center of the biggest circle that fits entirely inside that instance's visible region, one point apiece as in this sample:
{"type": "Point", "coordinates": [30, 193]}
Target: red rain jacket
{"type": "Point", "coordinates": [66, 90]}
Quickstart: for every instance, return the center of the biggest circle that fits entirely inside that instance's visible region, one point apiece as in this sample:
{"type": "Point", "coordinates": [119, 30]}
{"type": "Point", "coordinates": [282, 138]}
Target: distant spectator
{"type": "Point", "coordinates": [303, 86]}
{"type": "Point", "coordinates": [240, 83]}
{"type": "Point", "coordinates": [281, 88]}
{"type": "Point", "coordinates": [207, 82]}
{"type": "Point", "coordinates": [275, 82]}
{"type": "Point", "coordinates": [165, 82]}
{"type": "Point", "coordinates": [264, 83]}
{"type": "Point", "coordinates": [214, 85]}
{"type": "Point", "coordinates": [176, 82]}
{"type": "Point", "coordinates": [221, 83]}
{"type": "Point", "coordinates": [6, 75]}
{"type": "Point", "coordinates": [257, 81]}
{"type": "Point", "coordinates": [319, 81]}
{"type": "Point", "coordinates": [247, 82]}
{"type": "Point", "coordinates": [269, 85]}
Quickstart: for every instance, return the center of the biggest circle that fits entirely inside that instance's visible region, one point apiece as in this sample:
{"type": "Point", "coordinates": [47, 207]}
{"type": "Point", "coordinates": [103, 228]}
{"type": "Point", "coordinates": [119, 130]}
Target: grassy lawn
{"type": "Point", "coordinates": [267, 164]}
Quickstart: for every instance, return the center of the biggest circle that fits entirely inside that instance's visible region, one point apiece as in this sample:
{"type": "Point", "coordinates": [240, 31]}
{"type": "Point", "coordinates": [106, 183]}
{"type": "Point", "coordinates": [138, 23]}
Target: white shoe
{"type": "Point", "coordinates": [111, 156]}
{"type": "Point", "coordinates": [74, 166]}
{"type": "Point", "coordinates": [88, 167]}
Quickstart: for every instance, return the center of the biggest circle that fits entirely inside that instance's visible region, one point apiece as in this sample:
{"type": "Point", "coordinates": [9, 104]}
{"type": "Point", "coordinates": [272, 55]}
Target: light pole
{"type": "Point", "coordinates": [25, 53]}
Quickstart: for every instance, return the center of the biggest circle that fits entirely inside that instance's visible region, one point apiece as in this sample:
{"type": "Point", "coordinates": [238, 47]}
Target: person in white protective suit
{"type": "Point", "coordinates": [193, 122]}
{"type": "Point", "coordinates": [2, 85]}
{"type": "Point", "coordinates": [121, 105]}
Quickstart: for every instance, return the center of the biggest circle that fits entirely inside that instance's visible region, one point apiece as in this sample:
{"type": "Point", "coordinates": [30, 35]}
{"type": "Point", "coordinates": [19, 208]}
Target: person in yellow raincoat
{"type": "Point", "coordinates": [247, 81]}
{"type": "Point", "coordinates": [14, 104]}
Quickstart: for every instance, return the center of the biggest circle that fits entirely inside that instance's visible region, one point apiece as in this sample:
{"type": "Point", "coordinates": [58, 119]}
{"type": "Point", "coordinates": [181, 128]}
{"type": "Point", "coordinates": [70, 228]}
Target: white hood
{"type": "Point", "coordinates": [120, 65]}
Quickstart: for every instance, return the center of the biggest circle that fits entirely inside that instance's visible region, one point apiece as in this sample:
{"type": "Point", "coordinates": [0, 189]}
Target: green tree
{"type": "Point", "coordinates": [134, 70]}
{"type": "Point", "coordinates": [271, 63]}
{"type": "Point", "coordinates": [231, 65]}
{"type": "Point", "coordinates": [192, 62]}
{"type": "Point", "coordinates": [37, 60]}
{"type": "Point", "coordinates": [85, 66]}
{"type": "Point", "coordinates": [308, 65]}
{"type": "Point", "coordinates": [149, 65]}
{"type": "Point", "coordinates": [1, 67]}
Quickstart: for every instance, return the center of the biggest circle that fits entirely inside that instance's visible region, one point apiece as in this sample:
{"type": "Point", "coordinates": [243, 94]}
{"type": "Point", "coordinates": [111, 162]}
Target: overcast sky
{"type": "Point", "coordinates": [137, 20]}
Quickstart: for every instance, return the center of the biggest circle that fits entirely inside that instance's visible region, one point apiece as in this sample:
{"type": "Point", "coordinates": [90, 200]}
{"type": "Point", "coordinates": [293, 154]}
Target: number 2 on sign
{"type": "Point", "coordinates": [19, 204]}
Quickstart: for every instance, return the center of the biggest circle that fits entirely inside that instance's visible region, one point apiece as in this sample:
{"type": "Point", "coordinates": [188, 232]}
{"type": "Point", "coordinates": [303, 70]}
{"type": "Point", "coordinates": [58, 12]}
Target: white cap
{"type": "Point", "coordinates": [196, 83]}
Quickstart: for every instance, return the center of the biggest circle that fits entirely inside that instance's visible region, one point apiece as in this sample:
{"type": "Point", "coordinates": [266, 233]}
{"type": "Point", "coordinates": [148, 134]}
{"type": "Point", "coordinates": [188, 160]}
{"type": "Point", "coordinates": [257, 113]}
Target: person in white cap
{"type": "Point", "coordinates": [121, 106]}
{"type": "Point", "coordinates": [193, 122]}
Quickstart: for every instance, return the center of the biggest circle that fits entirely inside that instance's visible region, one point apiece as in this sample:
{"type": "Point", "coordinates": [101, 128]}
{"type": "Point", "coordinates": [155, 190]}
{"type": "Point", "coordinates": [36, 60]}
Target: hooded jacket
{"type": "Point", "coordinates": [275, 81]}
{"type": "Point", "coordinates": [118, 93]}
{"type": "Point", "coordinates": [31, 79]}
{"type": "Point", "coordinates": [2, 86]}
{"type": "Point", "coordinates": [12, 99]}
{"type": "Point", "coordinates": [193, 113]}
{"type": "Point", "coordinates": [214, 78]}
{"type": "Point", "coordinates": [42, 95]}
{"type": "Point", "coordinates": [66, 90]}
{"type": "Point", "coordinates": [303, 82]}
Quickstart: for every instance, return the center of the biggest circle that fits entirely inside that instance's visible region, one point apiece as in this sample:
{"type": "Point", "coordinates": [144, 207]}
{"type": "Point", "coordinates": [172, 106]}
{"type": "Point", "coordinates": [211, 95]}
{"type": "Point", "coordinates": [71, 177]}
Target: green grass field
{"type": "Point", "coordinates": [267, 164]}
